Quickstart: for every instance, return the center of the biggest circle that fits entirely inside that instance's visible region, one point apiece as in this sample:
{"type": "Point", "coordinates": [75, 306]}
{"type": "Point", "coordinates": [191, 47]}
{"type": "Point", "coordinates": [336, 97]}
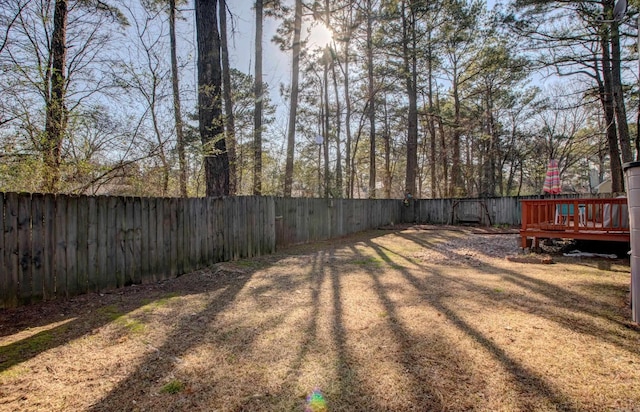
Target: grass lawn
{"type": "Point", "coordinates": [404, 320]}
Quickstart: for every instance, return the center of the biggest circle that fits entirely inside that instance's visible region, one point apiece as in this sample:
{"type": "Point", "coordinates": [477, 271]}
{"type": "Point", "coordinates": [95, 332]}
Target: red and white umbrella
{"type": "Point", "coordinates": [552, 180]}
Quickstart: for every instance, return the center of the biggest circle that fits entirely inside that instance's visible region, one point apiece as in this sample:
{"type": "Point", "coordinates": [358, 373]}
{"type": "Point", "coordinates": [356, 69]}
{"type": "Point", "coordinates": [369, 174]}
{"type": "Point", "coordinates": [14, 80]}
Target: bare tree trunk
{"type": "Point", "coordinates": [510, 155]}
{"type": "Point", "coordinates": [618, 96]}
{"type": "Point", "coordinates": [216, 160]}
{"type": "Point", "coordinates": [354, 153]}
{"type": "Point", "coordinates": [164, 161]}
{"type": "Point", "coordinates": [257, 114]}
{"type": "Point", "coordinates": [410, 66]}
{"type": "Point", "coordinates": [431, 119]}
{"type": "Point", "coordinates": [322, 129]}
{"type": "Point", "coordinates": [423, 157]}
{"type": "Point", "coordinates": [494, 173]}
{"type": "Point", "coordinates": [156, 129]}
{"type": "Point", "coordinates": [371, 97]}
{"type": "Point", "coordinates": [230, 127]}
{"type": "Point", "coordinates": [456, 189]}
{"type": "Point", "coordinates": [56, 120]}
{"type": "Point", "coordinates": [349, 26]}
{"type": "Point", "coordinates": [347, 123]}
{"type": "Point", "coordinates": [606, 97]}
{"type": "Point", "coordinates": [176, 100]}
{"type": "Point", "coordinates": [387, 152]}
{"type": "Point", "coordinates": [326, 114]}
{"type": "Point", "coordinates": [329, 54]}
{"type": "Point", "coordinates": [339, 185]}
{"type": "Point", "coordinates": [293, 108]}
{"type": "Point", "coordinates": [444, 153]}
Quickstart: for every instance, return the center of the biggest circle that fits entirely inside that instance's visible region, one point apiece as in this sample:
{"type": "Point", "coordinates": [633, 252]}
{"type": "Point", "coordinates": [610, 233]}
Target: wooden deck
{"type": "Point", "coordinates": [586, 218]}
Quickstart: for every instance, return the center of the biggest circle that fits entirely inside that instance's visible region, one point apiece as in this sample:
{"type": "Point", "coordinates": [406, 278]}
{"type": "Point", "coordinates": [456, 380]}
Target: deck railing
{"type": "Point", "coordinates": [580, 218]}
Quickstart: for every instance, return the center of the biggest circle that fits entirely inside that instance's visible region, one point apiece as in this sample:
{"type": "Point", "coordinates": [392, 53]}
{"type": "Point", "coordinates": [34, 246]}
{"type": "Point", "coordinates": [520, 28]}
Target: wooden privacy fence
{"type": "Point", "coordinates": [60, 246]}
{"type": "Point", "coordinates": [484, 211]}
{"type": "Point", "coordinates": [300, 220]}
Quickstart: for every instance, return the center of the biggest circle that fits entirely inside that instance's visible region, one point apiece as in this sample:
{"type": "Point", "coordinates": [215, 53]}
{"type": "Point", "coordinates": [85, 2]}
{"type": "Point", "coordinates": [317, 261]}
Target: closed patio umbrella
{"type": "Point", "coordinates": [552, 180]}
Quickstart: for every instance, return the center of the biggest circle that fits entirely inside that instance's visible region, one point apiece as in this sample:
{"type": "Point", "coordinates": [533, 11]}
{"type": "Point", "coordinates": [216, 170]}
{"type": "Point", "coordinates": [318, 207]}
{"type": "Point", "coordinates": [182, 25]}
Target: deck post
{"type": "Point", "coordinates": [632, 175]}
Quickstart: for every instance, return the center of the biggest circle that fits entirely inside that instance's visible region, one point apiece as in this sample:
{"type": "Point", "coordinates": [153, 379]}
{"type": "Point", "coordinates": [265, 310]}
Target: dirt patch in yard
{"type": "Point", "coordinates": [422, 319]}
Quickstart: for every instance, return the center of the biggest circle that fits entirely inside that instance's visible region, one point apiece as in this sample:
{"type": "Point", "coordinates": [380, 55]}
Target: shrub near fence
{"type": "Point", "coordinates": [55, 246]}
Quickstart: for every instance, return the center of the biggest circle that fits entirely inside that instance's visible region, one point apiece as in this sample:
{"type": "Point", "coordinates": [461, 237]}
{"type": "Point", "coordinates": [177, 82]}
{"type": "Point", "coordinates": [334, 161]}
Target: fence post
{"type": "Point", "coordinates": [10, 273]}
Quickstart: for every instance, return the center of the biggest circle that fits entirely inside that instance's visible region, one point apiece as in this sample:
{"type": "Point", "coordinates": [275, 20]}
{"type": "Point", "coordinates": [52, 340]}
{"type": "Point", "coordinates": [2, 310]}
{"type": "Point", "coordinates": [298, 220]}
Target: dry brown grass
{"type": "Point", "coordinates": [422, 320]}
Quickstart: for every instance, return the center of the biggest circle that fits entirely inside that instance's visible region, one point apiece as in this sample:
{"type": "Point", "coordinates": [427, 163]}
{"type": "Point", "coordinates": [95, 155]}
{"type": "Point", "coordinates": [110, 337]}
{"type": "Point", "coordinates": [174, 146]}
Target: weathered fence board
{"type": "Point", "coordinates": [156, 239]}
{"type": "Point", "coordinates": [4, 269]}
{"type": "Point", "coordinates": [24, 249]}
{"type": "Point", "coordinates": [37, 248]}
{"type": "Point", "coordinates": [83, 245]}
{"type": "Point", "coordinates": [247, 223]}
{"type": "Point", "coordinates": [241, 226]}
{"type": "Point", "coordinates": [173, 237]}
{"type": "Point", "coordinates": [152, 224]}
{"type": "Point", "coordinates": [166, 239]}
{"type": "Point", "coordinates": [61, 247]}
{"type": "Point", "coordinates": [203, 232]}
{"type": "Point", "coordinates": [71, 248]}
{"type": "Point", "coordinates": [229, 235]}
{"type": "Point", "coordinates": [183, 236]}
{"type": "Point", "coordinates": [121, 241]}
{"type": "Point", "coordinates": [191, 223]}
{"type": "Point", "coordinates": [128, 229]}
{"type": "Point", "coordinates": [137, 241]}
{"type": "Point", "coordinates": [92, 244]}
{"type": "Point", "coordinates": [11, 247]}
{"type": "Point", "coordinates": [111, 244]}
{"type": "Point", "coordinates": [217, 208]}
{"type": "Point", "coordinates": [49, 247]}
{"type": "Point", "coordinates": [102, 204]}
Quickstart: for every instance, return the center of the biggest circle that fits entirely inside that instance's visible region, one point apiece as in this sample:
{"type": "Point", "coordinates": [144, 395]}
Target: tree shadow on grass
{"type": "Point", "coordinates": [34, 329]}
{"type": "Point", "coordinates": [51, 324]}
{"type": "Point", "coordinates": [315, 278]}
{"type": "Point", "coordinates": [84, 315]}
{"type": "Point", "coordinates": [327, 275]}
{"type": "Point", "coordinates": [541, 287]}
{"type": "Point", "coordinates": [570, 301]}
{"type": "Point", "coordinates": [349, 390]}
{"type": "Point", "coordinates": [162, 361]}
{"type": "Point", "coordinates": [283, 392]}
{"type": "Point", "coordinates": [345, 391]}
{"type": "Point", "coordinates": [415, 364]}
{"type": "Point", "coordinates": [529, 381]}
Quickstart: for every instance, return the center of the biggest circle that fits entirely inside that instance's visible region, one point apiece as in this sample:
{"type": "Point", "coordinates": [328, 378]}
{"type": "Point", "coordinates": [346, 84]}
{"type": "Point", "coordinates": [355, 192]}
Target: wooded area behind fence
{"type": "Point", "coordinates": [54, 246]}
